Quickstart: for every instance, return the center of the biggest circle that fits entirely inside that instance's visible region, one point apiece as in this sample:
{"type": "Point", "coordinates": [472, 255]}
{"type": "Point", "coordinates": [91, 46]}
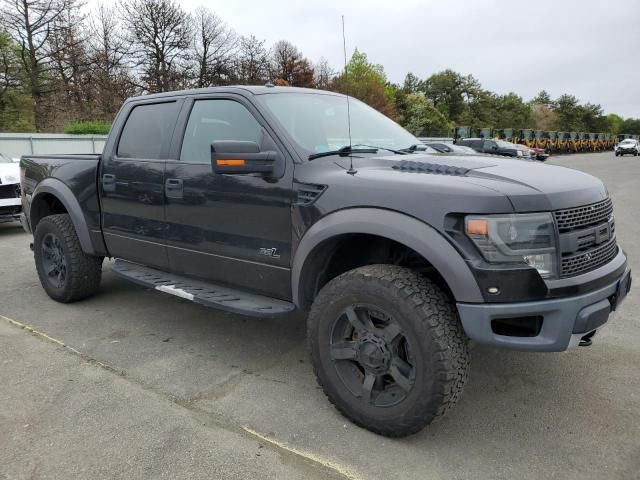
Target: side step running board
{"type": "Point", "coordinates": [204, 293]}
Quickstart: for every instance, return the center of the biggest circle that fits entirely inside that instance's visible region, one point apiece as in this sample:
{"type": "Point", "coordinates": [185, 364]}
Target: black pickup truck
{"type": "Point", "coordinates": [265, 200]}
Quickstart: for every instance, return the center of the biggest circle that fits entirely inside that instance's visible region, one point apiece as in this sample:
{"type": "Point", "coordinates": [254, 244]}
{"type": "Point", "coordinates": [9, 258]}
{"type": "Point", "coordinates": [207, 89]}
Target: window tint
{"type": "Point", "coordinates": [147, 127]}
{"type": "Point", "coordinates": [213, 120]}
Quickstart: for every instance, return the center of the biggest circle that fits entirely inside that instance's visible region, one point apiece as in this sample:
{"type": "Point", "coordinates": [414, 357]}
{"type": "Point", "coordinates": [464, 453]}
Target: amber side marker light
{"type": "Point", "coordinates": [229, 163]}
{"type": "Point", "coordinates": [478, 227]}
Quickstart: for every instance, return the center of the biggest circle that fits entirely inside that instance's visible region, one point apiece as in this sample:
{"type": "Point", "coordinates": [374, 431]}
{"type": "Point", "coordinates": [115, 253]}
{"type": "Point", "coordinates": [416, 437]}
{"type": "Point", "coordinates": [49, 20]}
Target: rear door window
{"type": "Point", "coordinates": [147, 131]}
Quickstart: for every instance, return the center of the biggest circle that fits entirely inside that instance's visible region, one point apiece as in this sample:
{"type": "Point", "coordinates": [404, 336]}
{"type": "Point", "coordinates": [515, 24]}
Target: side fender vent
{"type": "Point", "coordinates": [308, 193]}
{"type": "Point", "coordinates": [425, 167]}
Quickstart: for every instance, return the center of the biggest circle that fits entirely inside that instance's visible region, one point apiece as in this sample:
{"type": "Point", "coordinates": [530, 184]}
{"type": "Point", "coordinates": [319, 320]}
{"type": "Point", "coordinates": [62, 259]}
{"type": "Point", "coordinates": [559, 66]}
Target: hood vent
{"type": "Point", "coordinates": [425, 167]}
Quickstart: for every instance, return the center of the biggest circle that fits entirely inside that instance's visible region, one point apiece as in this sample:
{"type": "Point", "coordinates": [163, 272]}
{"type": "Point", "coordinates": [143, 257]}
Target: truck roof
{"type": "Point", "coordinates": [242, 89]}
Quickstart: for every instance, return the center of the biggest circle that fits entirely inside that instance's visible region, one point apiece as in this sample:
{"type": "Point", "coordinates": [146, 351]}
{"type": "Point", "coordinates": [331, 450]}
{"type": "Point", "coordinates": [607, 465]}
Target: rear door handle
{"type": "Point", "coordinates": [173, 187]}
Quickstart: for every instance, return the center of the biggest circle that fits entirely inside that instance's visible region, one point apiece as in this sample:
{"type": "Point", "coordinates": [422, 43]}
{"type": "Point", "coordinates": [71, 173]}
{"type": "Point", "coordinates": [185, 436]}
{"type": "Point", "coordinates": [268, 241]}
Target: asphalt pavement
{"type": "Point", "coordinates": [133, 383]}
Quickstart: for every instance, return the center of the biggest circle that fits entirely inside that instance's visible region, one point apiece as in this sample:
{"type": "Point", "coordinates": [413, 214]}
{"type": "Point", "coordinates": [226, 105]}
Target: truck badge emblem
{"type": "Point", "coordinates": [269, 252]}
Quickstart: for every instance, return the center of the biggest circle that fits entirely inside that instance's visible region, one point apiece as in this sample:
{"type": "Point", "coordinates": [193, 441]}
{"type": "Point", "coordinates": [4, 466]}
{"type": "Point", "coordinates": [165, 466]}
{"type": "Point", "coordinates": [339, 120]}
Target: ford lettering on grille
{"type": "Point", "coordinates": [587, 237]}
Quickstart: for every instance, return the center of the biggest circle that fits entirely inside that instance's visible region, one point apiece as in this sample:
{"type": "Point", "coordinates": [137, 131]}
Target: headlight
{"type": "Point", "coordinates": [525, 238]}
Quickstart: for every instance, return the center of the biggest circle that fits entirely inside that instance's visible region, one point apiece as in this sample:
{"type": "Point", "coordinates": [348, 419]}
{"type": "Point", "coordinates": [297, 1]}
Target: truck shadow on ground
{"type": "Point", "coordinates": [10, 228]}
{"type": "Point", "coordinates": [196, 351]}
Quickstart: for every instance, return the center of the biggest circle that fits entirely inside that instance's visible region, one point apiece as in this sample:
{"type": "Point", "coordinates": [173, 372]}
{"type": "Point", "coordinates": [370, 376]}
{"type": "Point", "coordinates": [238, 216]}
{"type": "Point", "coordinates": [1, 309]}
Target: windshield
{"type": "Point", "coordinates": [628, 140]}
{"type": "Point", "coordinates": [4, 159]}
{"type": "Point", "coordinates": [318, 122]}
{"type": "Point", "coordinates": [503, 144]}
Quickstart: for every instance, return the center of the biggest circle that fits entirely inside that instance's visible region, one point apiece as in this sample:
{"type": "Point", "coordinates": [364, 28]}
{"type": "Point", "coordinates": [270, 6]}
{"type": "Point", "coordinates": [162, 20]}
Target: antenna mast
{"type": "Point", "coordinates": [351, 171]}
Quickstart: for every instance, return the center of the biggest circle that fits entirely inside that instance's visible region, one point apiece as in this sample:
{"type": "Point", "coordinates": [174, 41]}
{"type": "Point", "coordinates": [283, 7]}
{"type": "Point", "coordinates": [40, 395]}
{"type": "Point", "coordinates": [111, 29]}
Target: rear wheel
{"type": "Point", "coordinates": [66, 273]}
{"type": "Point", "coordinates": [388, 349]}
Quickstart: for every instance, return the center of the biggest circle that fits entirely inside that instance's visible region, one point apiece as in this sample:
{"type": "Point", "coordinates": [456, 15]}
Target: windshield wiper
{"type": "Point", "coordinates": [399, 152]}
{"type": "Point", "coordinates": [343, 152]}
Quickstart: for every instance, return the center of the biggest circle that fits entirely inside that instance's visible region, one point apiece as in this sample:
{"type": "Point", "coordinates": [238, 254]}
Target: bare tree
{"type": "Point", "coordinates": [108, 52]}
{"type": "Point", "coordinates": [160, 34]}
{"type": "Point", "coordinates": [31, 24]}
{"type": "Point", "coordinates": [323, 74]}
{"type": "Point", "coordinates": [214, 45]}
{"type": "Point", "coordinates": [284, 56]}
{"type": "Point", "coordinates": [289, 67]}
{"type": "Point", "coordinates": [303, 74]}
{"type": "Point", "coordinates": [253, 62]}
{"type": "Point", "coordinates": [70, 68]}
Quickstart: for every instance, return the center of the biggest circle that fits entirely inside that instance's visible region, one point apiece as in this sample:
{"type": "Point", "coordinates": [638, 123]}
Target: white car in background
{"type": "Point", "coordinates": [10, 202]}
{"type": "Point", "coordinates": [627, 146]}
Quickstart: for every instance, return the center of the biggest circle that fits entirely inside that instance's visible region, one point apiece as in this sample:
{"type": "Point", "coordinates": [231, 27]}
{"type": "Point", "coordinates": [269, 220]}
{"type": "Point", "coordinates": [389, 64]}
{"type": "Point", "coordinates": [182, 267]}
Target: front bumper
{"type": "Point", "coordinates": [10, 210]}
{"type": "Point", "coordinates": [563, 320]}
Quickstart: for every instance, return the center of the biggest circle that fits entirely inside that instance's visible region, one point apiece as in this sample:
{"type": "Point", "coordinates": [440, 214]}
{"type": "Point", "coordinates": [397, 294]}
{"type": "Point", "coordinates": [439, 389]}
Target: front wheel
{"type": "Point", "coordinates": [66, 273]}
{"type": "Point", "coordinates": [388, 349]}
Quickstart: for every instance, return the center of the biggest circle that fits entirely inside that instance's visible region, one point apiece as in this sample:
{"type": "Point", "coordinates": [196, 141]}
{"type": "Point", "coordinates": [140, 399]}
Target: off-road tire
{"type": "Point", "coordinates": [83, 271]}
{"type": "Point", "coordinates": [429, 320]}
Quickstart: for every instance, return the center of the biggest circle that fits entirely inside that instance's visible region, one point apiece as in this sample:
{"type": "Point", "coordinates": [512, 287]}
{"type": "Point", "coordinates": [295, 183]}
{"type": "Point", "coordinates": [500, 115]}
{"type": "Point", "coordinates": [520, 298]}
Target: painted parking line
{"type": "Point", "coordinates": [60, 343]}
{"type": "Point", "coordinates": [340, 469]}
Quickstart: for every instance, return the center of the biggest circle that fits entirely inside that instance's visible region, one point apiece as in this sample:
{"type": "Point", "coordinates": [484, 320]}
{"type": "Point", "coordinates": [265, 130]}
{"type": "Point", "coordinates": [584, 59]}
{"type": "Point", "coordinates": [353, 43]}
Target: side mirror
{"type": "Point", "coordinates": [239, 157]}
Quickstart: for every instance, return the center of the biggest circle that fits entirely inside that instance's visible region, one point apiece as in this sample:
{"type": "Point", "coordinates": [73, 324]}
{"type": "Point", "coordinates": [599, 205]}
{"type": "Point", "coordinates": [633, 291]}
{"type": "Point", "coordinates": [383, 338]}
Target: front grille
{"type": "Point", "coordinates": [13, 210]}
{"type": "Point", "coordinates": [589, 260]}
{"type": "Point", "coordinates": [585, 216]}
{"type": "Point", "coordinates": [9, 191]}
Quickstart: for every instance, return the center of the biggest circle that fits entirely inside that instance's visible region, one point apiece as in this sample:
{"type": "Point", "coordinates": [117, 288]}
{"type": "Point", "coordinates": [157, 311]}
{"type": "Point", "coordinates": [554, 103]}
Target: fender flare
{"type": "Point", "coordinates": [417, 235]}
{"type": "Point", "coordinates": [63, 193]}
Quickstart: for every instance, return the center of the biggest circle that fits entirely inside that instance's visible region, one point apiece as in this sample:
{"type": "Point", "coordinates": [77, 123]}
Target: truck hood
{"type": "Point", "coordinates": [529, 185]}
{"type": "Point", "coordinates": [9, 173]}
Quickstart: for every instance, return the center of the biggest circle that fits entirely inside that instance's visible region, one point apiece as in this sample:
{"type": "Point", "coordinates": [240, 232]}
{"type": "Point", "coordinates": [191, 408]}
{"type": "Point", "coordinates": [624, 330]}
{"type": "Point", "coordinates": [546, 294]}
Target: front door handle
{"type": "Point", "coordinates": [173, 188]}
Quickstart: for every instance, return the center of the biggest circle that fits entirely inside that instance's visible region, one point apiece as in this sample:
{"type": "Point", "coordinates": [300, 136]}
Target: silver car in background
{"type": "Point", "coordinates": [10, 203]}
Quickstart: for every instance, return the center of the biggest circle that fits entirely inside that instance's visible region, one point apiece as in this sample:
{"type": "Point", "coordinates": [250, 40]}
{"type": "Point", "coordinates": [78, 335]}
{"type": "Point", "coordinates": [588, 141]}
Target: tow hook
{"type": "Point", "coordinates": [31, 246]}
{"type": "Point", "coordinates": [587, 341]}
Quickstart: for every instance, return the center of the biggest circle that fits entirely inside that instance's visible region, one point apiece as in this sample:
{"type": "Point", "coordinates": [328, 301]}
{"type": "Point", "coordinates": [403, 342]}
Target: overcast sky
{"type": "Point", "coordinates": [588, 48]}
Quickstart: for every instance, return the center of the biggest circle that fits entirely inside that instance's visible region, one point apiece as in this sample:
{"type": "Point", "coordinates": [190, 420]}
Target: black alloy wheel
{"type": "Point", "coordinates": [54, 260]}
{"type": "Point", "coordinates": [372, 356]}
